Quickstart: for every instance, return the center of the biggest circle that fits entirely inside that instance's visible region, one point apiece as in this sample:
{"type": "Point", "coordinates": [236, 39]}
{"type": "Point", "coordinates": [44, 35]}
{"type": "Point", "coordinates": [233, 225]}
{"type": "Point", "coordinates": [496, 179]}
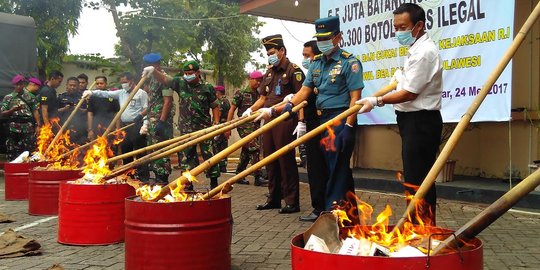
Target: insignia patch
{"type": "Point", "coordinates": [43, 98]}
{"type": "Point", "coordinates": [284, 75]}
{"type": "Point", "coordinates": [355, 67]}
{"type": "Point", "coordinates": [299, 76]}
{"type": "Point", "coordinates": [111, 99]}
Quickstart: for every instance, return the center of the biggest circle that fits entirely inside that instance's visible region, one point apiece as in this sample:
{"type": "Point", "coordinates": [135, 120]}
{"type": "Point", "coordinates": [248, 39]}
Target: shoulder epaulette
{"type": "Point", "coordinates": [295, 66]}
{"type": "Point", "coordinates": [346, 54]}
{"type": "Point", "coordinates": [318, 56]}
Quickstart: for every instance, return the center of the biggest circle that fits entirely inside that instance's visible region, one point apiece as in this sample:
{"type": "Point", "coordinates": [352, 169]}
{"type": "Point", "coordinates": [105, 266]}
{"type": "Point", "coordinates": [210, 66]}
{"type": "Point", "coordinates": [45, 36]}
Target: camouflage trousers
{"type": "Point", "coordinates": [220, 143]}
{"type": "Point", "coordinates": [189, 158]}
{"type": "Point", "coordinates": [161, 167]}
{"type": "Point", "coordinates": [250, 152]}
{"type": "Point", "coordinates": [17, 143]}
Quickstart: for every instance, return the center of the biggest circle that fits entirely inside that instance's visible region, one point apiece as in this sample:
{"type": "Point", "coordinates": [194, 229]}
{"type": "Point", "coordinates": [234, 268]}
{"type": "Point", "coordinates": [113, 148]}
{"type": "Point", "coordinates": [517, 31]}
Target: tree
{"type": "Point", "coordinates": [55, 21]}
{"type": "Point", "coordinates": [210, 31]}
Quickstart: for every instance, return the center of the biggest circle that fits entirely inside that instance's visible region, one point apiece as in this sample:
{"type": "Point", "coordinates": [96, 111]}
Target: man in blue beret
{"type": "Point", "coordinates": [337, 75]}
{"type": "Point", "coordinates": [160, 117]}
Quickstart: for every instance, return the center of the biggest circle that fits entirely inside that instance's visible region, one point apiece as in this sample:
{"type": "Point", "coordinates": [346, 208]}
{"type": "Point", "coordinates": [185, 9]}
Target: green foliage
{"type": "Point", "coordinates": [180, 29]}
{"type": "Point", "coordinates": [55, 21]}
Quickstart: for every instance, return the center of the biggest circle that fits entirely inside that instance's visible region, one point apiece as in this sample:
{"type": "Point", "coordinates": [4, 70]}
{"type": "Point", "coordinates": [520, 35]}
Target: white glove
{"type": "Point", "coordinates": [144, 129]}
{"type": "Point", "coordinates": [247, 113]}
{"type": "Point", "coordinates": [368, 104]}
{"type": "Point", "coordinates": [265, 114]}
{"type": "Point", "coordinates": [300, 130]}
{"type": "Point", "coordinates": [397, 77]}
{"type": "Point", "coordinates": [288, 97]}
{"type": "Point", "coordinates": [147, 71]}
{"type": "Point", "coordinates": [86, 94]}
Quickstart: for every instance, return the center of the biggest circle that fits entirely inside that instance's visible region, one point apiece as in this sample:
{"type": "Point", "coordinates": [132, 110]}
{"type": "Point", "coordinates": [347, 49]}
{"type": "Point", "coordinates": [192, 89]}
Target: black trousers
{"type": "Point", "coordinates": [131, 142]}
{"type": "Point", "coordinates": [316, 169]}
{"type": "Point", "coordinates": [420, 133]}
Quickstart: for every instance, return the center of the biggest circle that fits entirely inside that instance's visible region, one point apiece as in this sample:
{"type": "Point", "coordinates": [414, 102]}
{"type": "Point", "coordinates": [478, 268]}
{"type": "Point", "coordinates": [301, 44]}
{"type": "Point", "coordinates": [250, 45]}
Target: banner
{"type": "Point", "coordinates": [471, 36]}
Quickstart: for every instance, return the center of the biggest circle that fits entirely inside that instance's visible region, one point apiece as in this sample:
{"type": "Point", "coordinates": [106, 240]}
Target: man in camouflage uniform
{"type": "Point", "coordinates": [196, 99]}
{"type": "Point", "coordinates": [21, 110]}
{"type": "Point", "coordinates": [221, 141]}
{"type": "Point", "coordinates": [243, 99]}
{"type": "Point", "coordinates": [160, 115]}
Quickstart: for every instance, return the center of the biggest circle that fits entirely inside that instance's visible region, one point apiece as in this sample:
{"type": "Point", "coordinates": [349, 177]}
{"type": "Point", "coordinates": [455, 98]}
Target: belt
{"type": "Point", "coordinates": [321, 111]}
{"type": "Point", "coordinates": [21, 120]}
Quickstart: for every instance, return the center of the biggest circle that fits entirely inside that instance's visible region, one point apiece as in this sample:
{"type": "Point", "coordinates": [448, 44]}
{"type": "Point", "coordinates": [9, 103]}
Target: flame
{"type": "Point", "coordinates": [328, 142]}
{"type": "Point", "coordinates": [44, 138]}
{"type": "Point", "coordinates": [354, 216]}
{"type": "Point", "coordinates": [62, 145]}
{"type": "Point", "coordinates": [95, 160]}
{"type": "Point", "coordinates": [119, 136]}
{"type": "Point", "coordinates": [399, 176]}
{"type": "Point", "coordinates": [149, 193]}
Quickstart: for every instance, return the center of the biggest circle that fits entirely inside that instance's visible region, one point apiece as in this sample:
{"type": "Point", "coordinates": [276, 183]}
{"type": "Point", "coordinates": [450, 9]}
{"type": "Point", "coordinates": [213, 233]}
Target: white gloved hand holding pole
{"type": "Point", "coordinates": [144, 129]}
{"type": "Point", "coordinates": [368, 104]}
{"type": "Point", "coordinates": [288, 98]}
{"type": "Point", "coordinates": [247, 112]}
{"type": "Point", "coordinates": [265, 114]}
{"type": "Point", "coordinates": [147, 71]}
{"type": "Point", "coordinates": [300, 129]}
{"type": "Point", "coordinates": [87, 94]}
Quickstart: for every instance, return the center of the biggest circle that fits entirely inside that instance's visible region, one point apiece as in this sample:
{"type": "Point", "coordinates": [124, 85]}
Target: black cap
{"type": "Point", "coordinates": [273, 41]}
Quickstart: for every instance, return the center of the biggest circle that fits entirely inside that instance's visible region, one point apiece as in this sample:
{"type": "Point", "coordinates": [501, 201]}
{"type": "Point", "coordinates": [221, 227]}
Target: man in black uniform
{"type": "Point", "coordinates": [66, 103]}
{"type": "Point", "coordinates": [48, 98]}
{"type": "Point", "coordinates": [101, 111]}
{"type": "Point", "coordinates": [83, 82]}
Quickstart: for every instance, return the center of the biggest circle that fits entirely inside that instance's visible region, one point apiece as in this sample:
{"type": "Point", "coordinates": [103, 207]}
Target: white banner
{"type": "Point", "coordinates": [471, 36]}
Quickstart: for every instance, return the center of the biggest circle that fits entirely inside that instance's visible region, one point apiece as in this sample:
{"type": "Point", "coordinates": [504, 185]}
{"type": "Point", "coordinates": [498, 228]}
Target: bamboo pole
{"type": "Point", "coordinates": [124, 106]}
{"type": "Point", "coordinates": [283, 150]}
{"type": "Point", "coordinates": [170, 151]}
{"type": "Point", "coordinates": [226, 152]}
{"type": "Point", "coordinates": [68, 120]}
{"type": "Point", "coordinates": [93, 141]}
{"type": "Point", "coordinates": [466, 118]}
{"type": "Point", "coordinates": [173, 140]}
{"type": "Point", "coordinates": [490, 214]}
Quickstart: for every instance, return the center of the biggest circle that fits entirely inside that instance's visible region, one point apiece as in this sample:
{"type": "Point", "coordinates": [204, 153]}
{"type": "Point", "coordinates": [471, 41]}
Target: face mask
{"type": "Point", "coordinates": [325, 46]}
{"type": "Point", "coordinates": [125, 86]}
{"type": "Point", "coordinates": [189, 78]}
{"type": "Point", "coordinates": [306, 63]}
{"type": "Point", "coordinates": [273, 59]}
{"type": "Point", "coordinates": [405, 38]}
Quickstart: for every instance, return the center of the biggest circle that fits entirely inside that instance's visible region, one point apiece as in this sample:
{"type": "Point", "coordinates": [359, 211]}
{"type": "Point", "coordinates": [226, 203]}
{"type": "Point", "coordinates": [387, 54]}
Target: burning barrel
{"type": "Point", "coordinates": [16, 179]}
{"type": "Point", "coordinates": [43, 189]}
{"type": "Point", "coordinates": [192, 234]}
{"type": "Point", "coordinates": [470, 258]}
{"type": "Point", "coordinates": [92, 214]}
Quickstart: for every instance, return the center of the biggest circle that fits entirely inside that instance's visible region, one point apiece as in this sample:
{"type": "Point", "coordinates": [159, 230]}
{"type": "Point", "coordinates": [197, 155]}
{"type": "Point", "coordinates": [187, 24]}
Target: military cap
{"type": "Point", "coordinates": [273, 41]}
{"type": "Point", "coordinates": [35, 81]}
{"type": "Point", "coordinates": [17, 79]}
{"type": "Point", "coordinates": [326, 27]}
{"type": "Point", "coordinates": [152, 58]}
{"type": "Point", "coordinates": [191, 65]}
{"type": "Point", "coordinates": [219, 88]}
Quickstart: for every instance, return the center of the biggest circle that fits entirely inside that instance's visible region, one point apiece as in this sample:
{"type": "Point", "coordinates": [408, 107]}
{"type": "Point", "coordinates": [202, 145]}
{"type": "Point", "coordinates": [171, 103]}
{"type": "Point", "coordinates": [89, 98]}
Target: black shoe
{"type": "Point", "coordinates": [310, 218]}
{"type": "Point", "coordinates": [259, 181]}
{"type": "Point", "coordinates": [243, 181]}
{"type": "Point", "coordinates": [267, 206]}
{"type": "Point", "coordinates": [289, 208]}
{"type": "Point", "coordinates": [213, 182]}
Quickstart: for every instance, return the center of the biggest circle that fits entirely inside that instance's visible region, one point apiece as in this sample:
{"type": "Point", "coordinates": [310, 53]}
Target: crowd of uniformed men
{"type": "Point", "coordinates": [333, 84]}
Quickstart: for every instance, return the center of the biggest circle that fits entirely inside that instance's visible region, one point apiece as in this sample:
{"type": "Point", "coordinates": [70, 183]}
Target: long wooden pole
{"type": "Point", "coordinates": [93, 141]}
{"type": "Point", "coordinates": [68, 120]}
{"type": "Point", "coordinates": [182, 180]}
{"type": "Point", "coordinates": [490, 214]}
{"type": "Point", "coordinates": [169, 151]}
{"type": "Point", "coordinates": [124, 106]}
{"type": "Point", "coordinates": [173, 140]}
{"type": "Point", "coordinates": [285, 149]}
{"type": "Point", "coordinates": [466, 118]}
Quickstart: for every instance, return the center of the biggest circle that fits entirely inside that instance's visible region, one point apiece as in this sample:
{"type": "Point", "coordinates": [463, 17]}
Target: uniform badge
{"type": "Point", "coordinates": [284, 76]}
{"type": "Point", "coordinates": [111, 99]}
{"type": "Point", "coordinates": [43, 98]}
{"type": "Point", "coordinates": [355, 68]}
{"type": "Point", "coordinates": [299, 76]}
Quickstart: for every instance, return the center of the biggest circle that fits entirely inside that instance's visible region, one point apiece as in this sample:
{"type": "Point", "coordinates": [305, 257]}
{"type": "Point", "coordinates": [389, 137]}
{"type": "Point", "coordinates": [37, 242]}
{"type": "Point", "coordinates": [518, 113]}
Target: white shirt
{"type": "Point", "coordinates": [138, 104]}
{"type": "Point", "coordinates": [422, 75]}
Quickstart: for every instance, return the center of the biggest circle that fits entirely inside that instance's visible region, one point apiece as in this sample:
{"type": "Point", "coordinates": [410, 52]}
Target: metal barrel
{"type": "Point", "coordinates": [190, 235]}
{"type": "Point", "coordinates": [92, 214]}
{"type": "Point", "coordinates": [43, 189]}
{"type": "Point", "coordinates": [16, 179]}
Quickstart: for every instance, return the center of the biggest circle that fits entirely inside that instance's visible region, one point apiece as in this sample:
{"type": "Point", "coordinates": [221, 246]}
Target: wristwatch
{"type": "Point", "coordinates": [380, 103]}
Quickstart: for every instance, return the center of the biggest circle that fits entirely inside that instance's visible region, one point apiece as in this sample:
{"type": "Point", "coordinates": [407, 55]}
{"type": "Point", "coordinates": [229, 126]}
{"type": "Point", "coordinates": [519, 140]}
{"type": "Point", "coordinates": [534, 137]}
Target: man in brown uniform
{"type": "Point", "coordinates": [281, 79]}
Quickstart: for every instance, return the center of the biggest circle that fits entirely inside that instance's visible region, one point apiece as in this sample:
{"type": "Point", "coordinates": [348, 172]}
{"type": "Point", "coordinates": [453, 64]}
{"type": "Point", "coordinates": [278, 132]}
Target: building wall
{"type": "Point", "coordinates": [489, 148]}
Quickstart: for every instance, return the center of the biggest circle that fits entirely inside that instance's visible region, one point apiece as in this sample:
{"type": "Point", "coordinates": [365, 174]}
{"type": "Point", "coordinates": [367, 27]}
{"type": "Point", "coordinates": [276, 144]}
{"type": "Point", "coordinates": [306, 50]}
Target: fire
{"type": "Point", "coordinates": [63, 144]}
{"type": "Point", "coordinates": [329, 141]}
{"type": "Point", "coordinates": [44, 138]}
{"type": "Point", "coordinates": [354, 216]}
{"type": "Point", "coordinates": [119, 136]}
{"type": "Point", "coordinates": [95, 160]}
{"type": "Point", "coordinates": [149, 193]}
